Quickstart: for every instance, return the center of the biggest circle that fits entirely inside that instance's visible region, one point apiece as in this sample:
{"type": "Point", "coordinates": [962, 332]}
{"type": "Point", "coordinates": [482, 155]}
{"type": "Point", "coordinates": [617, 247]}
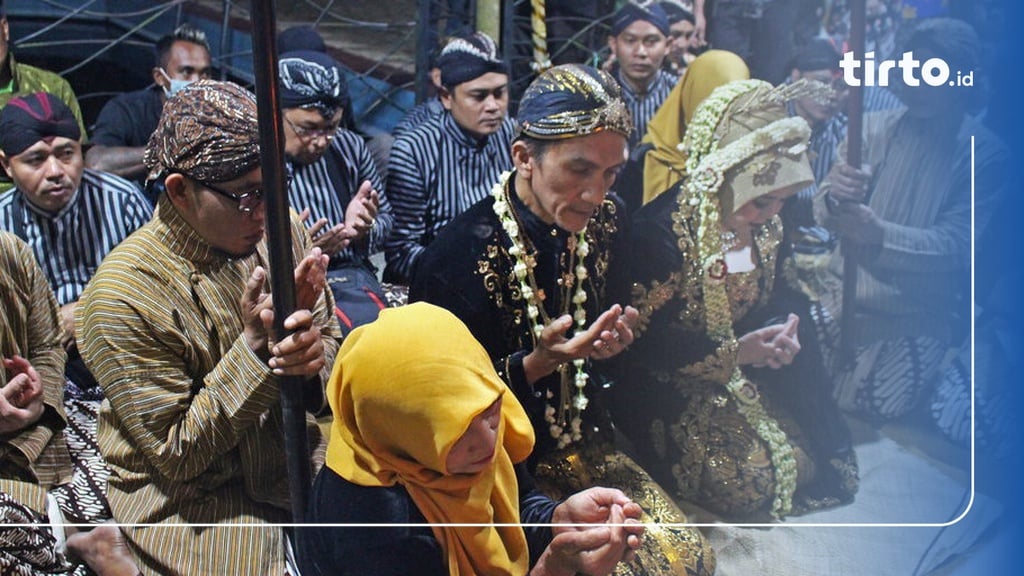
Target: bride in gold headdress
{"type": "Point", "coordinates": [724, 395]}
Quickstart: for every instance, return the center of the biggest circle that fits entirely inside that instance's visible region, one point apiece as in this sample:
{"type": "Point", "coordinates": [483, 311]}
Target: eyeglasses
{"type": "Point", "coordinates": [246, 202]}
{"type": "Point", "coordinates": [312, 133]}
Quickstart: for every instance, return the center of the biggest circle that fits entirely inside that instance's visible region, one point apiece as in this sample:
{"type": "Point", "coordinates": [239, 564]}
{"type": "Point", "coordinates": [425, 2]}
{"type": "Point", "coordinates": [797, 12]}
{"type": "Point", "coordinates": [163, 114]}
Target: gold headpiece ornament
{"type": "Point", "coordinates": [741, 145]}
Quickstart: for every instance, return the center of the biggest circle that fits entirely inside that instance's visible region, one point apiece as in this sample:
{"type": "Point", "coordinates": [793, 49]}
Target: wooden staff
{"type": "Point", "coordinates": [279, 244]}
{"type": "Point", "coordinates": [854, 143]}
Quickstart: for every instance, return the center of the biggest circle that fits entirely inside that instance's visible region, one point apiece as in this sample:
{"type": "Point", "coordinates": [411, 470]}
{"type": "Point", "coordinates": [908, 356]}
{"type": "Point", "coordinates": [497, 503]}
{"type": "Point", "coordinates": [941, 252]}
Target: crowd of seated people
{"type": "Point", "coordinates": [622, 301]}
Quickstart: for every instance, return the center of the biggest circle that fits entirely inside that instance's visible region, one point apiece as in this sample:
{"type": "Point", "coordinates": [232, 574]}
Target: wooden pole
{"type": "Point", "coordinates": [282, 265]}
{"type": "Point", "coordinates": [854, 141]}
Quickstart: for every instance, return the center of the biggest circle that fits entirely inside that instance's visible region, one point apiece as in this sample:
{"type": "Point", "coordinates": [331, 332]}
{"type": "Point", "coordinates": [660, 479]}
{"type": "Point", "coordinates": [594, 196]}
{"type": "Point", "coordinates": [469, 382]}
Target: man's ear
{"type": "Point", "coordinates": [159, 79]}
{"type": "Point", "coordinates": [177, 191]}
{"type": "Point", "coordinates": [446, 97]}
{"type": "Point", "coordinates": [6, 163]}
{"type": "Point", "coordinates": [522, 159]}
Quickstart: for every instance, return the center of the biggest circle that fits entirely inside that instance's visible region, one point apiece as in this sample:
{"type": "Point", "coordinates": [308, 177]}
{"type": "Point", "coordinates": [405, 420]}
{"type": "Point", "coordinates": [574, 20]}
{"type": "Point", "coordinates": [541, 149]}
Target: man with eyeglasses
{"type": "Point", "coordinates": [126, 122]}
{"type": "Point", "coordinates": [334, 181]}
{"type": "Point", "coordinates": [448, 163]}
{"type": "Point", "coordinates": [176, 325]}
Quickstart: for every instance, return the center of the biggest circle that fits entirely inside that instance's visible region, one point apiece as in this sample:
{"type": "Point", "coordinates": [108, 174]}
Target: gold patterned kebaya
{"type": "Point", "coordinates": [741, 146]}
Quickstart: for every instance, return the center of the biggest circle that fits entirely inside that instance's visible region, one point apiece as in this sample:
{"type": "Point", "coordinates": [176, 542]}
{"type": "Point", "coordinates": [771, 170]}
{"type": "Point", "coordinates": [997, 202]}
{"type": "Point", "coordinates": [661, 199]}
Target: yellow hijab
{"type": "Point", "coordinates": [404, 390]}
{"type": "Point", "coordinates": [666, 163]}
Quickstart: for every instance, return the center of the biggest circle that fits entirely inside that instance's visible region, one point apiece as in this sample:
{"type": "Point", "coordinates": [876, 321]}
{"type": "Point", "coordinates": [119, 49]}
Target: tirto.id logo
{"type": "Point", "coordinates": [933, 71]}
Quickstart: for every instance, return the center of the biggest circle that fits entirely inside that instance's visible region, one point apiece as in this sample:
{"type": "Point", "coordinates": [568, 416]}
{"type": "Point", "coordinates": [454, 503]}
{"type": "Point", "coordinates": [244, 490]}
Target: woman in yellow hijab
{"type": "Point", "coordinates": [665, 164]}
{"type": "Point", "coordinates": [425, 432]}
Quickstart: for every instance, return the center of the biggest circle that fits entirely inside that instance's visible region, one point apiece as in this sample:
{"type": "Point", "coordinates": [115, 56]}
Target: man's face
{"type": "Point", "coordinates": [682, 39]}
{"type": "Point", "coordinates": [571, 179]}
{"type": "Point", "coordinates": [478, 106]}
{"type": "Point", "coordinates": [185, 61]}
{"type": "Point", "coordinates": [216, 218]}
{"type": "Point", "coordinates": [811, 109]}
{"type": "Point", "coordinates": [307, 133]}
{"type": "Point", "coordinates": [932, 102]}
{"type": "Point", "coordinates": [48, 172]}
{"type": "Point", "coordinates": [640, 50]}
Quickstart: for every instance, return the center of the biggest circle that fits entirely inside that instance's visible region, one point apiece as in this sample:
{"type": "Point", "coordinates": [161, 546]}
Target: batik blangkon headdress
{"type": "Point", "coordinates": [572, 100]}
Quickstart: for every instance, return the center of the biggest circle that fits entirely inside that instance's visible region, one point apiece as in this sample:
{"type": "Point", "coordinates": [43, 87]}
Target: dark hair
{"type": "Point", "coordinates": [184, 33]}
{"type": "Point", "coordinates": [538, 148]}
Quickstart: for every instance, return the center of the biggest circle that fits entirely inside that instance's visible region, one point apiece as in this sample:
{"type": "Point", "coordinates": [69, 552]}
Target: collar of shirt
{"type": "Point", "coordinates": [455, 133]}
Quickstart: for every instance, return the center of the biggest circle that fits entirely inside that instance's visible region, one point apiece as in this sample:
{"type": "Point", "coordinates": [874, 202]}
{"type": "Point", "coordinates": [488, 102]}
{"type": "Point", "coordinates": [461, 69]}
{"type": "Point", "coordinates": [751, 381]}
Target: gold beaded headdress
{"type": "Point", "coordinates": [740, 145]}
{"type": "Point", "coordinates": [572, 100]}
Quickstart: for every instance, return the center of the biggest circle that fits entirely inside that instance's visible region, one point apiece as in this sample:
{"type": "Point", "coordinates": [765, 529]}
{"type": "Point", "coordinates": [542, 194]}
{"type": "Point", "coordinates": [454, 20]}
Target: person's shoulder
{"type": "Point", "coordinates": [428, 130]}
{"type": "Point", "coordinates": [7, 199]}
{"type": "Point", "coordinates": [112, 188]}
{"type": "Point", "coordinates": [32, 78]}
{"type": "Point", "coordinates": [13, 248]}
{"type": "Point", "coordinates": [134, 101]}
{"type": "Point", "coordinates": [467, 233]}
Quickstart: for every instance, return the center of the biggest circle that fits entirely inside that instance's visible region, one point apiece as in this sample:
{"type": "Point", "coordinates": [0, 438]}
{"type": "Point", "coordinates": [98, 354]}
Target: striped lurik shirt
{"type": "Point", "coordinates": [70, 244]}
{"type": "Point", "coordinates": [436, 172]}
{"type": "Point", "coordinates": [191, 426]}
{"type": "Point", "coordinates": [327, 186]}
{"type": "Point", "coordinates": [921, 193]}
{"type": "Point", "coordinates": [29, 328]}
{"type": "Point", "coordinates": [421, 114]}
{"type": "Point", "coordinates": [642, 106]}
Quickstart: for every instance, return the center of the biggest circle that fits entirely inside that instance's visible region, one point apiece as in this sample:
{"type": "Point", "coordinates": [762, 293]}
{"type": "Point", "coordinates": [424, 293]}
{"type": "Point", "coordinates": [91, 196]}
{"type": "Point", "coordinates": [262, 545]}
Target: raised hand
{"type": "Point", "coordinates": [301, 353]}
{"type": "Point", "coordinates": [608, 335]}
{"type": "Point", "coordinates": [21, 399]}
{"type": "Point", "coordinates": [310, 279]}
{"type": "Point", "coordinates": [254, 301]}
{"type": "Point", "coordinates": [361, 213]}
{"type": "Point", "coordinates": [614, 535]}
{"type": "Point", "coordinates": [332, 239]}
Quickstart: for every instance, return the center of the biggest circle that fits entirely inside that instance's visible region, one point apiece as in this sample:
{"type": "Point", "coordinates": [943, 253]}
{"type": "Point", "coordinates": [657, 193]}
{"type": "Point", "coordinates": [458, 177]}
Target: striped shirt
{"type": "Point", "coordinates": [191, 426]}
{"type": "Point", "coordinates": [921, 193]}
{"type": "Point", "coordinates": [642, 106]}
{"type": "Point", "coordinates": [421, 114]}
{"type": "Point", "coordinates": [70, 244]}
{"type": "Point", "coordinates": [328, 185]}
{"type": "Point", "coordinates": [29, 328]}
{"type": "Point", "coordinates": [438, 171]}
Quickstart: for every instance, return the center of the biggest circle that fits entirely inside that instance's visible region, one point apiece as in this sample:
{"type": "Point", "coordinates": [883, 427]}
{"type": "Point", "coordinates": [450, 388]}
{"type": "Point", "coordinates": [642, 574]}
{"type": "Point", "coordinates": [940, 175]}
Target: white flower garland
{"type": "Point", "coordinates": [569, 411]}
{"type": "Point", "coordinates": [706, 165]}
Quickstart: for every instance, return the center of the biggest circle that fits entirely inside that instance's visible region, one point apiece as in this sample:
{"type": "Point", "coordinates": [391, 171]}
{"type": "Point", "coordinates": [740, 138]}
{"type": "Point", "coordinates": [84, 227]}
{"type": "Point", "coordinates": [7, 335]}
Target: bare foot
{"type": "Point", "coordinates": [104, 550]}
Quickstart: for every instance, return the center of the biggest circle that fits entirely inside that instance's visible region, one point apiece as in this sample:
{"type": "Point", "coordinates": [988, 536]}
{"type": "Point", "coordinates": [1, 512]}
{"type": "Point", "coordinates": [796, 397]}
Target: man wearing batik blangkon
{"type": "Point", "coordinates": [176, 326]}
{"type": "Point", "coordinates": [448, 163]}
{"type": "Point", "coordinates": [334, 180]}
{"type": "Point", "coordinates": [537, 273]}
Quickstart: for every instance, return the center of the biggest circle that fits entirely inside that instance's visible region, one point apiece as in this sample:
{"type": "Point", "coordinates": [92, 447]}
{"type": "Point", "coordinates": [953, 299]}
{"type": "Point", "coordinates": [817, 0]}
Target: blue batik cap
{"type": "Point", "coordinates": [632, 12]}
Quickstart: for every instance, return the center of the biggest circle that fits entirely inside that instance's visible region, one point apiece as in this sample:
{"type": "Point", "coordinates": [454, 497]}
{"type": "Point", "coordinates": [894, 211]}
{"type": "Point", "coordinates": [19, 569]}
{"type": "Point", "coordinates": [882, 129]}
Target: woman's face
{"type": "Point", "coordinates": [759, 210]}
{"type": "Point", "coordinates": [474, 451]}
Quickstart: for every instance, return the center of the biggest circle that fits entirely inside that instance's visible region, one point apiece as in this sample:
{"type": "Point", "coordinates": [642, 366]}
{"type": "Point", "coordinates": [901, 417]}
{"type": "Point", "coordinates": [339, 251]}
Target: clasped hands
{"type": "Point", "coordinates": [607, 336]}
{"type": "Point", "coordinates": [854, 219]}
{"type": "Point", "coordinates": [613, 535]}
{"type": "Point", "coordinates": [773, 346]}
{"type": "Point", "coordinates": [360, 216]}
{"type": "Point", "coordinates": [21, 399]}
{"type": "Point", "coordinates": [301, 353]}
